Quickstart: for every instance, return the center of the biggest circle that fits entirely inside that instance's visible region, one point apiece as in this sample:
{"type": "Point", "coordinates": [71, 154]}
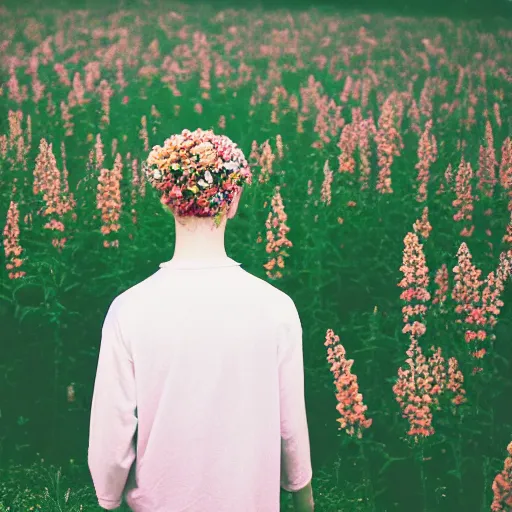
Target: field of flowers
{"type": "Point", "coordinates": [381, 203]}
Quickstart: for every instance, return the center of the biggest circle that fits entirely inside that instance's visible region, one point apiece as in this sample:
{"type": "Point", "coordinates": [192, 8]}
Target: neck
{"type": "Point", "coordinates": [199, 241]}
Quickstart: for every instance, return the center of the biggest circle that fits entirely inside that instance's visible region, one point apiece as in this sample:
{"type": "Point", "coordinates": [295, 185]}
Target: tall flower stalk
{"type": "Point", "coordinates": [415, 285]}
{"type": "Point", "coordinates": [350, 401]}
{"type": "Point", "coordinates": [502, 486]}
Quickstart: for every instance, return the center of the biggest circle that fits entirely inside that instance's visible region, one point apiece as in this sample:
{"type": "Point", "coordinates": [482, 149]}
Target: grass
{"type": "Point", "coordinates": [46, 488]}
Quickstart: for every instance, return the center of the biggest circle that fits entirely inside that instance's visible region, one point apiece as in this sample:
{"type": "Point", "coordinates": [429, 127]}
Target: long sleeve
{"type": "Point", "coordinates": [113, 415]}
{"type": "Point", "coordinates": [296, 470]}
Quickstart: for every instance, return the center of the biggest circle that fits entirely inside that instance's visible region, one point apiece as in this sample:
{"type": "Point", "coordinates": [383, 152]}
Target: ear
{"type": "Point", "coordinates": [167, 209]}
{"type": "Point", "coordinates": [233, 207]}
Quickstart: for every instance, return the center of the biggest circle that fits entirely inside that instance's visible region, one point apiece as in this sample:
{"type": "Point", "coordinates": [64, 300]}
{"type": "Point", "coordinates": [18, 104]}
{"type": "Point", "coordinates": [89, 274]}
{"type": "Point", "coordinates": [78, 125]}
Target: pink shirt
{"type": "Point", "coordinates": [205, 367]}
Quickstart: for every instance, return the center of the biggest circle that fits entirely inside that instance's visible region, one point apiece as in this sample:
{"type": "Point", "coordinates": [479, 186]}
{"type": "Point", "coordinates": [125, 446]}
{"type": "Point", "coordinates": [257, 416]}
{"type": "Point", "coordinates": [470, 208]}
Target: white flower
{"type": "Point", "coordinates": [208, 177]}
{"type": "Point", "coordinates": [157, 174]}
{"type": "Point", "coordinates": [202, 183]}
{"type": "Point", "coordinates": [231, 166]}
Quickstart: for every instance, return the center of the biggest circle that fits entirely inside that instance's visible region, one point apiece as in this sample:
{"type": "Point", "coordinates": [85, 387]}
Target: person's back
{"type": "Point", "coordinates": [218, 373]}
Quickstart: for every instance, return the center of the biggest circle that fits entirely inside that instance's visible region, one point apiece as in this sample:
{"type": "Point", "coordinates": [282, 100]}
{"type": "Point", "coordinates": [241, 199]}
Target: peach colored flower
{"type": "Point", "coordinates": [350, 400]}
{"type": "Point", "coordinates": [502, 486]}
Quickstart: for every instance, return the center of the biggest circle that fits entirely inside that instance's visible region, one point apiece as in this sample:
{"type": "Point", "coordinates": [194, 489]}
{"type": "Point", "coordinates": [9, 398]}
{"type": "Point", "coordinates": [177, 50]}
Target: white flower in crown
{"type": "Point", "coordinates": [157, 174]}
{"type": "Point", "coordinates": [208, 177]}
{"type": "Point", "coordinates": [202, 183]}
{"type": "Point", "coordinates": [231, 166]}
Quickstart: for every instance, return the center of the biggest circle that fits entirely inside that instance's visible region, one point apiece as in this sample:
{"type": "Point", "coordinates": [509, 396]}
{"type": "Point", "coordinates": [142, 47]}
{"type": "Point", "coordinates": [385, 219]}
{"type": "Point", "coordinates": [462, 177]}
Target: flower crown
{"type": "Point", "coordinates": [197, 172]}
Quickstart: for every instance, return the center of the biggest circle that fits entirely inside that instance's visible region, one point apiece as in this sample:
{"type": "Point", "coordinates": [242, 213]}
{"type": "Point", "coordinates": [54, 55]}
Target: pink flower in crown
{"type": "Point", "coordinates": [237, 154]}
{"type": "Point", "coordinates": [206, 152]}
{"type": "Point", "coordinates": [208, 177]}
{"type": "Point", "coordinates": [231, 166]}
{"type": "Point", "coordinates": [175, 192]}
{"type": "Point", "coordinates": [224, 151]}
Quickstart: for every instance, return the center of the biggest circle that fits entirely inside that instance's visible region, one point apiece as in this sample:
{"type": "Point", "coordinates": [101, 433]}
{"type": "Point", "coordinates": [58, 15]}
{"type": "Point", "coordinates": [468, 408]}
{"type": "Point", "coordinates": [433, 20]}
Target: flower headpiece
{"type": "Point", "coordinates": [197, 172]}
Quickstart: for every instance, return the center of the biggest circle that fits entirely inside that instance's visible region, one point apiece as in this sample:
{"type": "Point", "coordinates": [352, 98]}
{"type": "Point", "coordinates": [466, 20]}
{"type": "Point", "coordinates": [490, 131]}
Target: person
{"type": "Point", "coordinates": [198, 402]}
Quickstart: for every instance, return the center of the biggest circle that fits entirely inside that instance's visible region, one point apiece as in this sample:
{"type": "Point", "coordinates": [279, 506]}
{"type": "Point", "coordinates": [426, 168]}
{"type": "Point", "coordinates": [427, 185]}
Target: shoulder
{"type": "Point", "coordinates": [279, 301]}
{"type": "Point", "coordinates": [128, 301]}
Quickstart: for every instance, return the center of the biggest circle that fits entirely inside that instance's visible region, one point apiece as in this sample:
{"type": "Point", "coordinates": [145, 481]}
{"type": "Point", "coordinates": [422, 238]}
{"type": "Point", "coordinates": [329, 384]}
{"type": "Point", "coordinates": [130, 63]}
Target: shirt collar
{"type": "Point", "coordinates": [193, 265]}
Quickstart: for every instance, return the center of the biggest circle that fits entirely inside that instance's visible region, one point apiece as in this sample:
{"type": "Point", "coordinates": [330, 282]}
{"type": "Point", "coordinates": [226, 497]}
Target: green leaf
{"type": "Point", "coordinates": [26, 311]}
{"type": "Point", "coordinates": [62, 279]}
{"type": "Point", "coordinates": [7, 299]}
{"type": "Point", "coordinates": [365, 349]}
{"type": "Point", "coordinates": [389, 462]}
{"type": "Point", "coordinates": [74, 285]}
{"type": "Point", "coordinates": [22, 420]}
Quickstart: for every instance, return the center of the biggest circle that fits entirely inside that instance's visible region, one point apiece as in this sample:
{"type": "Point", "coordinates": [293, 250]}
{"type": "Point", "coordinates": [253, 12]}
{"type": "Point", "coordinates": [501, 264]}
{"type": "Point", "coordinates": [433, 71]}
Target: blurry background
{"type": "Point", "coordinates": [454, 8]}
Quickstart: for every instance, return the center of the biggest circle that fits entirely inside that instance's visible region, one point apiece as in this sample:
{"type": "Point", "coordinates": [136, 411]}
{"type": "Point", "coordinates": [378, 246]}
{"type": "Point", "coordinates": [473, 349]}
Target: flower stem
{"type": "Point", "coordinates": [422, 477]}
{"type": "Point", "coordinates": [486, 483]}
{"type": "Point", "coordinates": [458, 455]}
{"type": "Point", "coordinates": [369, 483]}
